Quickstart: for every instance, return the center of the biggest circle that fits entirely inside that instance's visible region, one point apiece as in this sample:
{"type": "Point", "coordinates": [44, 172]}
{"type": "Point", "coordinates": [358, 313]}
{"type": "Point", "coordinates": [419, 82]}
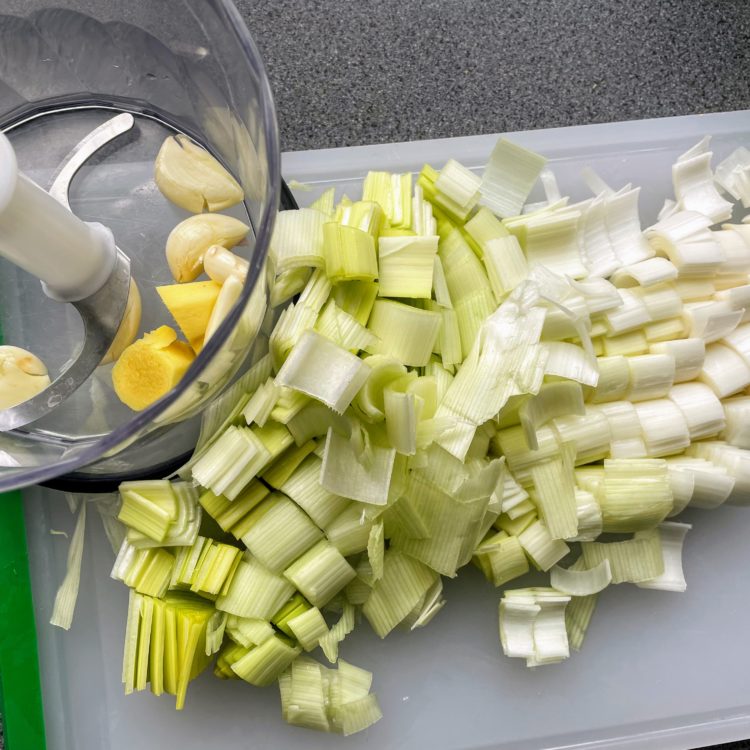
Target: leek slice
{"type": "Point", "coordinates": [344, 330]}
{"type": "Point", "coordinates": [286, 465]}
{"type": "Point", "coordinates": [423, 222]}
{"type": "Point", "coordinates": [626, 344]}
{"type": "Point", "coordinates": [320, 573]}
{"type": "Point", "coordinates": [571, 362]}
{"type": "Point", "coordinates": [590, 435]}
{"type": "Point", "coordinates": [710, 485]}
{"type": "Point", "coordinates": [555, 494]}
{"type": "Point", "coordinates": [645, 273]}
{"type": "Point", "coordinates": [542, 549]}
{"type": "Point", "coordinates": [651, 376]}
{"type": "Point", "coordinates": [305, 489]}
{"type": "Point", "coordinates": [614, 379]}
{"type": "Point", "coordinates": [672, 538]}
{"type": "Point", "coordinates": [393, 193]}
{"type": "Point", "coordinates": [508, 178]}
{"type": "Point", "coordinates": [356, 298]}
{"type": "Point", "coordinates": [695, 190]}
{"type": "Point", "coordinates": [688, 355]}
{"type": "Point", "coordinates": [279, 532]}
{"type": "Point", "coordinates": [405, 581]}
{"type": "Point", "coordinates": [578, 613]}
{"type": "Point", "coordinates": [737, 416]}
{"type": "Point", "coordinates": [329, 643]}
{"type": "Point", "coordinates": [701, 408]}
{"type": "Point", "coordinates": [664, 428]}
{"type": "Point", "coordinates": [553, 400]}
{"type": "Point", "coordinates": [359, 714]}
{"type": "Point", "coordinates": [459, 184]}
{"type": "Point", "coordinates": [506, 265]}
{"type": "Point", "coordinates": [263, 664]}
{"type": "Point", "coordinates": [501, 558]}
{"type": "Point", "coordinates": [686, 240]}
{"type": "Point", "coordinates": [633, 560]}
{"type": "Point", "coordinates": [624, 228]}
{"type": "Point", "coordinates": [248, 632]}
{"type": "Point", "coordinates": [323, 370]}
{"type": "Point", "coordinates": [733, 174]}
{"type": "Point", "coordinates": [254, 591]}
{"type": "Point", "coordinates": [67, 594]}
{"type": "Point", "coordinates": [343, 474]}
{"type": "Point", "coordinates": [589, 515]}
{"type": "Point", "coordinates": [349, 532]}
{"type": "Point", "coordinates": [261, 403]}
{"type": "Point", "coordinates": [308, 628]}
{"type": "Point", "coordinates": [405, 332]}
{"type": "Point", "coordinates": [724, 370]}
{"type": "Point", "coordinates": [297, 240]}
{"type": "Point", "coordinates": [376, 550]}
{"type": "Point", "coordinates": [130, 651]}
{"type": "Point", "coordinates": [349, 253]}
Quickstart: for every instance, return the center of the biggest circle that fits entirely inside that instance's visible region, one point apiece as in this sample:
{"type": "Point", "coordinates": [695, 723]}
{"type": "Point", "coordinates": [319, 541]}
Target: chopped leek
{"type": "Point", "coordinates": [672, 537]}
{"type": "Point", "coordinates": [405, 332]}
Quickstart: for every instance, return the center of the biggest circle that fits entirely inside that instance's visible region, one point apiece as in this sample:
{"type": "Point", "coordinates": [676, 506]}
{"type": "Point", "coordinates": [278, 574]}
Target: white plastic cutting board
{"type": "Point", "coordinates": [658, 670]}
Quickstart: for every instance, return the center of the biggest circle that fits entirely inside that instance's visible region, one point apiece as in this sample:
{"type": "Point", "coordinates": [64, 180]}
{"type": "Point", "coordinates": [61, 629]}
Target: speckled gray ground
{"type": "Point", "coordinates": [371, 72]}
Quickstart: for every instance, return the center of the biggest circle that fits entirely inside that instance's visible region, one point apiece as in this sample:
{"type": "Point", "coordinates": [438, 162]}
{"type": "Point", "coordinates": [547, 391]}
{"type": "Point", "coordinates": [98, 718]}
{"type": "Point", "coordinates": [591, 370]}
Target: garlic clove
{"type": "Point", "coordinates": [190, 239]}
{"type": "Point", "coordinates": [191, 178]}
{"type": "Point", "coordinates": [220, 263]}
{"type": "Point", "coordinates": [22, 376]}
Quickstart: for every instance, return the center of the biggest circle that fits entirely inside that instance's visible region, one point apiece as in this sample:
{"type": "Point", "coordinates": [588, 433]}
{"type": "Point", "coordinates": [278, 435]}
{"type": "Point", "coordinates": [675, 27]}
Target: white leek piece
{"type": "Point", "coordinates": [308, 628]}
{"type": "Point", "coordinates": [581, 582]}
{"type": "Point", "coordinates": [599, 254]}
{"type": "Point", "coordinates": [506, 265]}
{"type": "Point", "coordinates": [688, 355]}
{"type": "Point", "coordinates": [634, 494]}
{"type": "Point", "coordinates": [304, 487]}
{"type": "Point", "coordinates": [711, 321]}
{"type": "Point", "coordinates": [662, 301]}
{"type": "Point", "coordinates": [405, 581]}
{"type": "Point", "coordinates": [664, 428]}
{"type": "Point", "coordinates": [554, 484]}
{"type": "Point", "coordinates": [343, 329]}
{"type": "Point", "coordinates": [614, 379]}
{"type": "Point", "coordinates": [406, 266]}
{"type": "Point", "coordinates": [724, 370]}
{"type": "Point", "coordinates": [624, 228]}
{"type": "Point", "coordinates": [631, 314]}
{"type": "Point", "coordinates": [672, 537]}
{"type": "Point", "coordinates": [552, 241]}
{"type": "Point", "coordinates": [695, 190]}
{"type": "Point", "coordinates": [735, 460]}
{"type": "Point", "coordinates": [589, 515]}
{"type": "Point", "coordinates": [651, 376]}
{"type": "Point", "coordinates": [685, 239]}
{"type": "Point", "coordinates": [297, 240]}
{"type": "Point", "coordinates": [344, 474]}
{"type": "Point", "coordinates": [733, 174]}
{"type": "Point", "coordinates": [261, 403]}
{"type": "Point", "coordinates": [701, 408]}
{"type": "Point", "coordinates": [711, 484]}
{"type": "Point", "coordinates": [571, 362]}
{"type": "Point", "coordinates": [323, 370]}
{"type": "Point", "coordinates": [626, 344]}
{"type": "Point", "coordinates": [590, 434]}
{"type": "Point", "coordinates": [254, 591]}
{"type": "Point", "coordinates": [738, 299]}
{"type": "Point", "coordinates": [393, 193]}
{"type": "Point", "coordinates": [517, 626]}
{"type": "Point", "coordinates": [501, 558]}
{"type": "Point", "coordinates": [691, 289]}
{"type": "Point", "coordinates": [405, 332]}
{"type": "Point", "coordinates": [508, 178]}
{"type": "Point", "coordinates": [634, 560]}
{"type": "Point", "coordinates": [458, 184]}
{"type": "Point", "coordinates": [736, 250]}
{"type": "Point", "coordinates": [737, 416]}
{"type": "Point", "coordinates": [320, 573]}
{"type": "Point", "coordinates": [739, 340]}
{"type": "Point", "coordinates": [553, 400]}
{"type": "Point", "coordinates": [645, 273]}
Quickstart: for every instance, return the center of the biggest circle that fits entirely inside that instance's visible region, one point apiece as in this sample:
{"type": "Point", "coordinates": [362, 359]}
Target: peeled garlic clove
{"type": "Point", "coordinates": [191, 178]}
{"type": "Point", "coordinates": [190, 239]}
{"type": "Point", "coordinates": [128, 329]}
{"type": "Point", "coordinates": [230, 292]}
{"type": "Point", "coordinates": [22, 375]}
{"type": "Point", "coordinates": [219, 263]}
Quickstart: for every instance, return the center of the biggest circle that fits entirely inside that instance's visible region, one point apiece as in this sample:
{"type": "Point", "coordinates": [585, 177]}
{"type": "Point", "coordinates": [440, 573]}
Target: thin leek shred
{"type": "Point", "coordinates": [581, 582]}
{"type": "Point", "coordinates": [67, 593]}
{"type": "Point", "coordinates": [279, 532]}
{"type": "Point", "coordinates": [376, 550]}
{"type": "Point", "coordinates": [254, 592]}
{"type": "Point", "coordinates": [343, 474]}
{"type": "Point", "coordinates": [508, 178]}
{"type": "Point", "coordinates": [532, 625]}
{"type": "Point", "coordinates": [323, 370]}
{"type": "Point", "coordinates": [320, 573]}
{"type": "Point", "coordinates": [405, 581]}
{"type": "Point", "coordinates": [406, 333]}
{"type": "Point", "coordinates": [344, 330]}
{"type": "Point", "coordinates": [297, 240]}
{"type": "Point", "coordinates": [633, 560]}
{"type": "Point", "coordinates": [330, 642]}
{"type": "Point", "coordinates": [672, 537]}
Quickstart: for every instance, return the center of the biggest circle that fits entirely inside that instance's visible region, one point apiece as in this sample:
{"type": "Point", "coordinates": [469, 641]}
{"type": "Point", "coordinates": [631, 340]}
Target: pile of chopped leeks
{"type": "Point", "coordinates": [460, 377]}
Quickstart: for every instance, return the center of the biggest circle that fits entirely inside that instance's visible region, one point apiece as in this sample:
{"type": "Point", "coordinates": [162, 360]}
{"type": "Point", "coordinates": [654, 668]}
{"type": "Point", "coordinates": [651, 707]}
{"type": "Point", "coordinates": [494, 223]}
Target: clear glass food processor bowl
{"type": "Point", "coordinates": [186, 66]}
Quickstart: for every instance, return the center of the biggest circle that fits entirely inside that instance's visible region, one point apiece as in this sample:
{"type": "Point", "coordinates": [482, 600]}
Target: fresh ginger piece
{"type": "Point", "coordinates": [191, 306]}
{"type": "Point", "coordinates": [150, 367]}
